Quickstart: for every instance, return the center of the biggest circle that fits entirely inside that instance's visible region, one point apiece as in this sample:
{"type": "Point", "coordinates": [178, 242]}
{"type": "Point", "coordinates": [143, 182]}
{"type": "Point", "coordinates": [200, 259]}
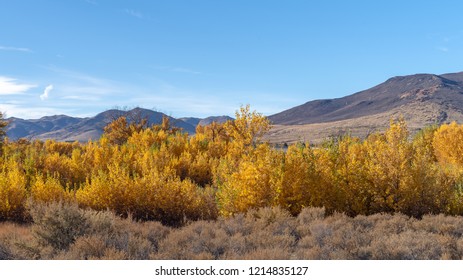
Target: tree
{"type": "Point", "coordinates": [448, 145]}
{"type": "Point", "coordinates": [389, 163]}
{"type": "Point", "coordinates": [120, 129]}
{"type": "Point", "coordinates": [248, 128]}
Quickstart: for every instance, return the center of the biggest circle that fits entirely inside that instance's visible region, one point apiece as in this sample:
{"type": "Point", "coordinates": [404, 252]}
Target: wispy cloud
{"type": "Point", "coordinates": [77, 83]}
{"type": "Point", "coordinates": [77, 89]}
{"type": "Point", "coordinates": [24, 111]}
{"type": "Point", "coordinates": [13, 86]}
{"type": "Point", "coordinates": [15, 49]}
{"type": "Point", "coordinates": [80, 94]}
{"type": "Point", "coordinates": [134, 13]}
{"type": "Point", "coordinates": [183, 102]}
{"type": "Point", "coordinates": [81, 98]}
{"type": "Point", "coordinates": [178, 70]}
{"type": "Point", "coordinates": [91, 2]}
{"type": "Point", "coordinates": [185, 70]}
{"type": "Point", "coordinates": [443, 49]}
{"type": "Point", "coordinates": [46, 92]}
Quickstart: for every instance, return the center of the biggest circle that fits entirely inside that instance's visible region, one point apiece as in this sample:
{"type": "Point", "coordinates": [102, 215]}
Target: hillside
{"type": "Point", "coordinates": [65, 128]}
{"type": "Point", "coordinates": [422, 99]}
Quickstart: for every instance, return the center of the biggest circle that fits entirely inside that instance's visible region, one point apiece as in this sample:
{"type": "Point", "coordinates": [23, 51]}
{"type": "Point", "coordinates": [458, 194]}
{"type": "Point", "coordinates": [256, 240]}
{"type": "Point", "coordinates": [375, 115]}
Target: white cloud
{"type": "Point", "coordinates": [46, 92]}
{"type": "Point", "coordinates": [134, 13]}
{"type": "Point", "coordinates": [12, 86]}
{"type": "Point", "coordinates": [16, 49]}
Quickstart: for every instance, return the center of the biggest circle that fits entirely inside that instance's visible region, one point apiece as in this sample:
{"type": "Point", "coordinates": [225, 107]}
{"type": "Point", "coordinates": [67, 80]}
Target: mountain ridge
{"type": "Point", "coordinates": [422, 99]}
{"type": "Point", "coordinates": [66, 128]}
{"type": "Point", "coordinates": [392, 93]}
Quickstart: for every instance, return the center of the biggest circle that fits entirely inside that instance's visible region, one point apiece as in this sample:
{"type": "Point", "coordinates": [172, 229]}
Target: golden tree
{"type": "Point", "coordinates": [300, 179]}
{"type": "Point", "coordinates": [448, 144]}
{"type": "Point", "coordinates": [13, 192]}
{"type": "Point", "coordinates": [119, 130]}
{"type": "Point", "coordinates": [448, 149]}
{"type": "Point", "coordinates": [425, 189]}
{"type": "Point", "coordinates": [389, 163]}
{"type": "Point", "coordinates": [251, 183]}
{"type": "Point", "coordinates": [248, 128]}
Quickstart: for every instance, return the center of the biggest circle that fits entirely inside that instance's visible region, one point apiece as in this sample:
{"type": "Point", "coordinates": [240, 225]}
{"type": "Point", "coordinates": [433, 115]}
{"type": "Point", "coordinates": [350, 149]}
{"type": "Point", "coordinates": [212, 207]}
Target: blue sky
{"type": "Point", "coordinates": [208, 57]}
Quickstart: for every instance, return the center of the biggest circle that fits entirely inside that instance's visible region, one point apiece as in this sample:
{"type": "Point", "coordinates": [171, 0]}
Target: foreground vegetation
{"type": "Point", "coordinates": [159, 173]}
{"type": "Point", "coordinates": [153, 192]}
{"type": "Point", "coordinates": [64, 231]}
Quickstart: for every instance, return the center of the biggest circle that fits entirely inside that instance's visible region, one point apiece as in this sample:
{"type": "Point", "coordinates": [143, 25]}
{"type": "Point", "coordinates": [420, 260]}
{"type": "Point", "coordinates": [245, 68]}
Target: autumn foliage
{"type": "Point", "coordinates": [159, 173]}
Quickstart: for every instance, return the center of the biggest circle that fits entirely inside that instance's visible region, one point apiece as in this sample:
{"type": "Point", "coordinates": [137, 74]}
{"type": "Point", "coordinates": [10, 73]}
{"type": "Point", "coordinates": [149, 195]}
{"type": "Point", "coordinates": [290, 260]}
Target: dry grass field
{"type": "Point", "coordinates": [63, 231]}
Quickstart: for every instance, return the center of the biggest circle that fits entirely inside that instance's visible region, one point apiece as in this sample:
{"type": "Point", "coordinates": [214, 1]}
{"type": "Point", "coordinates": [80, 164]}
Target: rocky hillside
{"type": "Point", "coordinates": [422, 99]}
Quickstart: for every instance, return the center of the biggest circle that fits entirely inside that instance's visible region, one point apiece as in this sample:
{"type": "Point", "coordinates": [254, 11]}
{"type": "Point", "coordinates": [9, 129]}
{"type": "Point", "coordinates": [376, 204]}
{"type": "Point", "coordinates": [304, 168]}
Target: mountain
{"type": "Point", "coordinates": [19, 128]}
{"type": "Point", "coordinates": [65, 128]}
{"type": "Point", "coordinates": [193, 121]}
{"type": "Point", "coordinates": [422, 99]}
{"type": "Point", "coordinates": [206, 121]}
{"type": "Point", "coordinates": [217, 119]}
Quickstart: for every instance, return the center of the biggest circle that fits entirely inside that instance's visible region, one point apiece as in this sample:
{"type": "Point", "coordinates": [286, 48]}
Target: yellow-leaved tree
{"type": "Point", "coordinates": [246, 130]}
{"type": "Point", "coordinates": [13, 193]}
{"type": "Point", "coordinates": [448, 149]}
{"type": "Point", "coordinates": [389, 163]}
{"type": "Point", "coordinates": [300, 182]}
{"type": "Point", "coordinates": [248, 175]}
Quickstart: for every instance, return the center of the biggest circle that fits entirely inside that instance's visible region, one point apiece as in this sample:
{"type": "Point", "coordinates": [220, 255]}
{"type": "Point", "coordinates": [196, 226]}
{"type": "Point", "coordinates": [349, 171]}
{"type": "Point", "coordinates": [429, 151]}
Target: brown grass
{"type": "Point", "coordinates": [266, 233]}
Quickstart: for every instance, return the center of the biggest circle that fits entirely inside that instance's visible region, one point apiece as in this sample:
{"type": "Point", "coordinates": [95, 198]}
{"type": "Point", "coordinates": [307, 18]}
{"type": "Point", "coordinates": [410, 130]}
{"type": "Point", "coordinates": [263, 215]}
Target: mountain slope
{"type": "Point", "coordinates": [217, 119]}
{"type": "Point", "coordinates": [422, 99]}
{"type": "Point", "coordinates": [64, 128]}
{"type": "Point", "coordinates": [19, 128]}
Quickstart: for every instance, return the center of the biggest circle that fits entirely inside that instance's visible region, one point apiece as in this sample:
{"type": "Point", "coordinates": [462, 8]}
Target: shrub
{"type": "Point", "coordinates": [58, 224]}
{"type": "Point", "coordinates": [85, 248]}
{"type": "Point", "coordinates": [199, 240]}
{"type": "Point", "coordinates": [440, 224]}
{"type": "Point", "coordinates": [409, 245]}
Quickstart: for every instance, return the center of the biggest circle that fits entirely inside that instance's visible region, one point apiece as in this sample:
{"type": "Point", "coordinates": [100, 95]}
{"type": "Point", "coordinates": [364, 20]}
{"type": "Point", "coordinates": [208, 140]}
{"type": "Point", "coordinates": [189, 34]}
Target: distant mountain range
{"type": "Point", "coordinates": [65, 128]}
{"type": "Point", "coordinates": [422, 99]}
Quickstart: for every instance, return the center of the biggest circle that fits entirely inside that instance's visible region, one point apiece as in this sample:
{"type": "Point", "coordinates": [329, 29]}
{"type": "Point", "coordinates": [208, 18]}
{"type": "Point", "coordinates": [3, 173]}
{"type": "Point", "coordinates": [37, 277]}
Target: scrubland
{"type": "Point", "coordinates": [64, 231]}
